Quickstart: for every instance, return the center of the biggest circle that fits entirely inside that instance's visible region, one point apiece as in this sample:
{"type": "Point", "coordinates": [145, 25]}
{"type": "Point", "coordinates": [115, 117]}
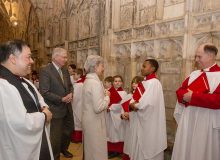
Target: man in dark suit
{"type": "Point", "coordinates": [56, 88]}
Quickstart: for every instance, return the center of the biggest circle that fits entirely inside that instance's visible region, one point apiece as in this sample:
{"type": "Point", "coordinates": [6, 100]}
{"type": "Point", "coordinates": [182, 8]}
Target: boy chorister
{"type": "Point", "coordinates": [77, 105]}
{"type": "Point", "coordinates": [115, 125]}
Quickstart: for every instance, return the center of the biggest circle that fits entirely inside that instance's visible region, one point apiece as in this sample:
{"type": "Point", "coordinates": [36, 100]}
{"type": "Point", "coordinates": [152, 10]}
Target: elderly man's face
{"type": "Point", "coordinates": [61, 59]}
{"type": "Point", "coordinates": [23, 62]}
{"type": "Point", "coordinates": [203, 60]}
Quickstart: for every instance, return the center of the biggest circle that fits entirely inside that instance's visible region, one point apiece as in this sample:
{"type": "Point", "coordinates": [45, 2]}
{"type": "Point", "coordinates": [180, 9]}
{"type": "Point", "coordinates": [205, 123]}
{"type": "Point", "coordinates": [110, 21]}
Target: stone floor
{"type": "Point", "coordinates": [76, 150]}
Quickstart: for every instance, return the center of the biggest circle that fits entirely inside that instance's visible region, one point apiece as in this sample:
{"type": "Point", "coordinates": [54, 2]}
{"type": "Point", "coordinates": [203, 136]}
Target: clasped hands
{"type": "Point", "coordinates": [68, 98]}
{"type": "Point", "coordinates": [132, 106]}
{"type": "Point", "coordinates": [187, 96]}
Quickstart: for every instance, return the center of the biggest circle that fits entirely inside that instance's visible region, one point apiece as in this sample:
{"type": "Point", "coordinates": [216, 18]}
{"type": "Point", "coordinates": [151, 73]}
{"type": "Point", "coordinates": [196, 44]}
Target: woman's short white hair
{"type": "Point", "coordinates": [91, 62]}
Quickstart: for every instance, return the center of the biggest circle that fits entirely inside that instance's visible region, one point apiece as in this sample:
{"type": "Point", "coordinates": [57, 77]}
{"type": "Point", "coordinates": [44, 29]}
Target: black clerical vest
{"type": "Point", "coordinates": [29, 104]}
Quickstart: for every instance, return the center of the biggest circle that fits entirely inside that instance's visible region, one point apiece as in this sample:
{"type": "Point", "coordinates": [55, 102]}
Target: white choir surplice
{"type": "Point", "coordinates": [77, 106]}
{"type": "Point", "coordinates": [148, 138]}
{"type": "Point", "coordinates": [198, 132]}
{"type": "Point", "coordinates": [115, 125]}
{"type": "Point", "coordinates": [21, 132]}
{"type": "Point", "coordinates": [129, 128]}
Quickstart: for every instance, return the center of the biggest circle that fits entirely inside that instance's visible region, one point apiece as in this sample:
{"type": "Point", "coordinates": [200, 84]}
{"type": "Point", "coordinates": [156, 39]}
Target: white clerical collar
{"type": "Point", "coordinates": [56, 66]}
{"type": "Point", "coordinates": [207, 69]}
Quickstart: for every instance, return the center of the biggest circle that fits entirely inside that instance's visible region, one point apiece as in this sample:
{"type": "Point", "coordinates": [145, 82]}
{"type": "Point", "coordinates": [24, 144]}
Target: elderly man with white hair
{"type": "Point", "coordinates": [56, 88]}
{"type": "Point", "coordinates": [95, 102]}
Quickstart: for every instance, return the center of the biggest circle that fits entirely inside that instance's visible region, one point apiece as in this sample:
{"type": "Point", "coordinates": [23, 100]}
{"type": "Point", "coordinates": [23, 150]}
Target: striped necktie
{"type": "Point", "coordinates": [61, 74]}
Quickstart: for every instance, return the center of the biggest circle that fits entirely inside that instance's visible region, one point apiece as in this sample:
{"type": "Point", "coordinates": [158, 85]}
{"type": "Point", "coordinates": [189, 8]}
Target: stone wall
{"type": "Point", "coordinates": [125, 32]}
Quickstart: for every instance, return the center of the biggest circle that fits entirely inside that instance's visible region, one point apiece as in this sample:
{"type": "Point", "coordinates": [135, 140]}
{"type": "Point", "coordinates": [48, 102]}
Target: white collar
{"type": "Point", "coordinates": [207, 69]}
{"type": "Point", "coordinates": [56, 66]}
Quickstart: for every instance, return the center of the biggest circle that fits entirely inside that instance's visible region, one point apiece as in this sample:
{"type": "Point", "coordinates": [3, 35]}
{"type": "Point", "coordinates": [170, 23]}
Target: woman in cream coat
{"type": "Point", "coordinates": [95, 102]}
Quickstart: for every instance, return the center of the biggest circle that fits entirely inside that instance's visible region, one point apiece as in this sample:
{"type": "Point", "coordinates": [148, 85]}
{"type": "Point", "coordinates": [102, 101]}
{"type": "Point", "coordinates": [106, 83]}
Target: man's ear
{"type": "Point", "coordinates": [12, 59]}
{"type": "Point", "coordinates": [152, 69]}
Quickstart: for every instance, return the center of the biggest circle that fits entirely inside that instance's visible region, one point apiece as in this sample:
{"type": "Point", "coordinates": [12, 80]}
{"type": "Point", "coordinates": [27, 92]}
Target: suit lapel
{"type": "Point", "coordinates": [56, 75]}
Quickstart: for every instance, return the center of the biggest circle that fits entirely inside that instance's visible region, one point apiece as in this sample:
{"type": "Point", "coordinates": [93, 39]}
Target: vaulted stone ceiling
{"type": "Point", "coordinates": [14, 16]}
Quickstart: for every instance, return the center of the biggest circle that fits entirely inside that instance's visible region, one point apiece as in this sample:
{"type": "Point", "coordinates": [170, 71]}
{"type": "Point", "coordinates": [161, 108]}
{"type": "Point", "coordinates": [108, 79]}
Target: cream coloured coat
{"type": "Point", "coordinates": [93, 118]}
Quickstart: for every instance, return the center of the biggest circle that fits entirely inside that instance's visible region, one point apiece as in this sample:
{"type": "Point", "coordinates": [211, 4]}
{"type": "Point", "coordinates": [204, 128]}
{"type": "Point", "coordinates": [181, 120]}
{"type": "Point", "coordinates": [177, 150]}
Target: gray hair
{"type": "Point", "coordinates": [58, 51]}
{"type": "Point", "coordinates": [91, 62]}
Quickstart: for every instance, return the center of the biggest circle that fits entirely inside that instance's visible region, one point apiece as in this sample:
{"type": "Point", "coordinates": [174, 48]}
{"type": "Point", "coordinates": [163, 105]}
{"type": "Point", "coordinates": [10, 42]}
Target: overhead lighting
{"type": "Point", "coordinates": [15, 23]}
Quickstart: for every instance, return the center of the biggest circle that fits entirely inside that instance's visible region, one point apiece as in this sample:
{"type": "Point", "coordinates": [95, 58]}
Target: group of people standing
{"type": "Point", "coordinates": [38, 125]}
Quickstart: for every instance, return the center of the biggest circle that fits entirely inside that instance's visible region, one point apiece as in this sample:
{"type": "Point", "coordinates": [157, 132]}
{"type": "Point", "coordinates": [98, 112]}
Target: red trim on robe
{"type": "Point", "coordinates": [116, 147]}
{"type": "Point", "coordinates": [81, 80]}
{"type": "Point", "coordinates": [120, 89]}
{"type": "Point", "coordinates": [125, 157]}
{"type": "Point", "coordinates": [214, 68]}
{"type": "Point", "coordinates": [114, 96]}
{"type": "Point", "coordinates": [76, 136]}
{"type": "Point", "coordinates": [204, 100]}
{"type": "Point", "coordinates": [150, 76]}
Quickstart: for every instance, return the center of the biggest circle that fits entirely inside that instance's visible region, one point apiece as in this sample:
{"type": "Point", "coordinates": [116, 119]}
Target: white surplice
{"type": "Point", "coordinates": [148, 139]}
{"type": "Point", "coordinates": [77, 106]}
{"type": "Point", "coordinates": [21, 132]}
{"type": "Point", "coordinates": [115, 125]}
{"type": "Point", "coordinates": [198, 132]}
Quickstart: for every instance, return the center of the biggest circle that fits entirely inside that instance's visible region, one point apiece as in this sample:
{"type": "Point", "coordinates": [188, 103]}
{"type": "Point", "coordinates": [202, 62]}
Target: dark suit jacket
{"type": "Point", "coordinates": [53, 89]}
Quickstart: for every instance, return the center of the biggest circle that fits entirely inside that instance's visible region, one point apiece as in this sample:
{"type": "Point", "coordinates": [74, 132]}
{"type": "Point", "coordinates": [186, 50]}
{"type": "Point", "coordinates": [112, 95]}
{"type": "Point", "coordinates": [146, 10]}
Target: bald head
{"type": "Point", "coordinates": [206, 55]}
{"type": "Point", "coordinates": [209, 48]}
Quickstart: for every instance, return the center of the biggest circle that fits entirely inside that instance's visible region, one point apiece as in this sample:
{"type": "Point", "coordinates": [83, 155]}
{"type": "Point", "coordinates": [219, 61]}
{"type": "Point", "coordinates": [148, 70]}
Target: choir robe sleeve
{"type": "Point", "coordinates": [21, 132]}
{"type": "Point", "coordinates": [99, 104]}
{"type": "Point", "coordinates": [182, 90]}
{"type": "Point", "coordinates": [206, 100]}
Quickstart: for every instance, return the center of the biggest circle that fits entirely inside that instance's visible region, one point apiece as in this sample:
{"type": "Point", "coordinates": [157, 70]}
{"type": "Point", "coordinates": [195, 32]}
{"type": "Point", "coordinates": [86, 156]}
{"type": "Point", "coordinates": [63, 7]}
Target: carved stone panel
{"type": "Point", "coordinates": [73, 27]}
{"type": "Point", "coordinates": [126, 15]}
{"type": "Point", "coordinates": [94, 20]}
{"type": "Point", "coordinates": [171, 67]}
{"type": "Point", "coordinates": [56, 33]}
{"type": "Point", "coordinates": [94, 41]}
{"type": "Point", "coordinates": [144, 32]}
{"type": "Point", "coordinates": [207, 22]}
{"type": "Point", "coordinates": [72, 45]}
{"type": "Point", "coordinates": [204, 5]}
{"type": "Point", "coordinates": [170, 28]}
{"type": "Point", "coordinates": [147, 11]}
{"type": "Point", "coordinates": [124, 35]}
{"type": "Point", "coordinates": [170, 49]}
{"type": "Point", "coordinates": [122, 50]}
{"type": "Point", "coordinates": [143, 49]}
{"type": "Point", "coordinates": [63, 30]}
{"type": "Point", "coordinates": [172, 2]}
{"type": "Point", "coordinates": [72, 57]}
{"type": "Point", "coordinates": [123, 68]}
{"type": "Point", "coordinates": [82, 44]}
{"type": "Point", "coordinates": [170, 82]}
{"type": "Point", "coordinates": [84, 24]}
{"type": "Point", "coordinates": [81, 57]}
